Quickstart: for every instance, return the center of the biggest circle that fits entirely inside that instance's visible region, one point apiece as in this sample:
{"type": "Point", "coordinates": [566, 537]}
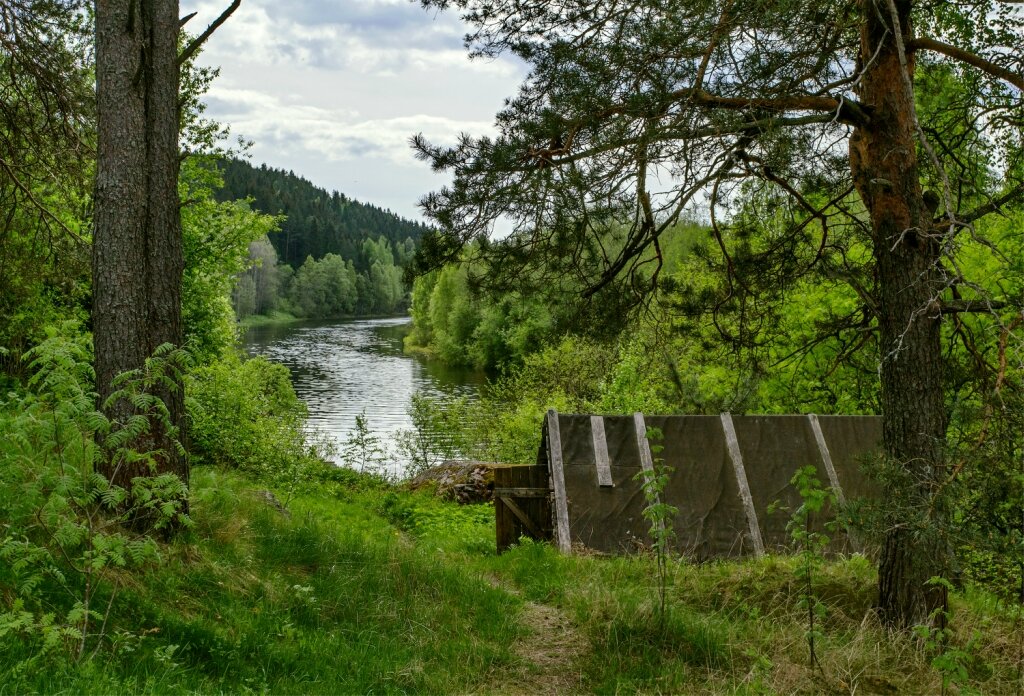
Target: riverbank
{"type": "Point", "coordinates": [357, 368]}
{"type": "Point", "coordinates": [275, 318]}
{"type": "Point", "coordinates": [362, 587]}
{"type": "Point", "coordinates": [281, 318]}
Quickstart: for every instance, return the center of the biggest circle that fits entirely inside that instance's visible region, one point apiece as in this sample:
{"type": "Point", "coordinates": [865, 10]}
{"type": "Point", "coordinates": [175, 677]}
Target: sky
{"type": "Point", "coordinates": [334, 89]}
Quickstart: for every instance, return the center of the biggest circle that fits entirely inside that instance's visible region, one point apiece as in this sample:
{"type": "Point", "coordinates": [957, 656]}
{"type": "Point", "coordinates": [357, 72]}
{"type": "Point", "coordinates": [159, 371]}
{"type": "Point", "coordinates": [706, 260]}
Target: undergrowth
{"type": "Point", "coordinates": [366, 587]}
{"type": "Point", "coordinates": [355, 585]}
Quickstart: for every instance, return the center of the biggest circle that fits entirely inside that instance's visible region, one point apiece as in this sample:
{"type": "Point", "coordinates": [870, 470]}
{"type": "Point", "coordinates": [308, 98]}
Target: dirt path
{"type": "Point", "coordinates": [546, 656]}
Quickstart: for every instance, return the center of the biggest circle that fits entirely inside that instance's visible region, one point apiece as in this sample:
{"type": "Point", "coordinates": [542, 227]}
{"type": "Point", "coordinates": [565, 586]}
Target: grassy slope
{"type": "Point", "coordinates": [365, 589]}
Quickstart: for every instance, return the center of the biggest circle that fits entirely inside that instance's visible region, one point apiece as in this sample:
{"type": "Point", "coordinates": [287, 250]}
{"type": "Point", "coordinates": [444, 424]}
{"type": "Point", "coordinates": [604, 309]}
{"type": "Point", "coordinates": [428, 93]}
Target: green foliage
{"type": "Point", "coordinates": [435, 434]}
{"type": "Point", "coordinates": [243, 413]}
{"type": "Point", "coordinates": [460, 320]}
{"type": "Point", "coordinates": [466, 528]}
{"type": "Point", "coordinates": [69, 535]}
{"type": "Point", "coordinates": [332, 286]}
{"type": "Point", "coordinates": [362, 449]}
{"type": "Point", "coordinates": [46, 143]}
{"type": "Point", "coordinates": [660, 515]}
{"type": "Point", "coordinates": [216, 239]}
{"type": "Point", "coordinates": [951, 661]}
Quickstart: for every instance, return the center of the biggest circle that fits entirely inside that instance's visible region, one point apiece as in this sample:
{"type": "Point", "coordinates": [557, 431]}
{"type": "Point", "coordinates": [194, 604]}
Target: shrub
{"type": "Point", "coordinates": [244, 414]}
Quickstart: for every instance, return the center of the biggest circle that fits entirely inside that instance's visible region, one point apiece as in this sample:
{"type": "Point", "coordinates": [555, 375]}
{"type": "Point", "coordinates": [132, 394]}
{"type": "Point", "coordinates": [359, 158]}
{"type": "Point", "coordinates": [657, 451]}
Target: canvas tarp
{"type": "Point", "coordinates": [723, 492]}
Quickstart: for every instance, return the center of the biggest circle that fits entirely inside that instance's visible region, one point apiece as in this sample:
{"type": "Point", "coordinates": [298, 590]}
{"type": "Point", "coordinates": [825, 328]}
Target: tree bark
{"type": "Point", "coordinates": [883, 158]}
{"type": "Point", "coordinates": [137, 249]}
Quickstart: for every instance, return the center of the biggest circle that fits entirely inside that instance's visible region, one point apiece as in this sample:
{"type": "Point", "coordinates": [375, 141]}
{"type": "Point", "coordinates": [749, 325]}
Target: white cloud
{"type": "Point", "coordinates": [336, 135]}
{"type": "Point", "coordinates": [333, 89]}
{"type": "Point", "coordinates": [375, 38]}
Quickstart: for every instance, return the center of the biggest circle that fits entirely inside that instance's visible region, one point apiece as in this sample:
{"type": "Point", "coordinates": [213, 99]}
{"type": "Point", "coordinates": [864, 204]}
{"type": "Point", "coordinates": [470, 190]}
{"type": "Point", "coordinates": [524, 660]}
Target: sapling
{"type": "Point", "coordinates": [362, 450]}
{"type": "Point", "coordinates": [949, 660]}
{"type": "Point", "coordinates": [659, 514]}
{"type": "Point", "coordinates": [811, 545]}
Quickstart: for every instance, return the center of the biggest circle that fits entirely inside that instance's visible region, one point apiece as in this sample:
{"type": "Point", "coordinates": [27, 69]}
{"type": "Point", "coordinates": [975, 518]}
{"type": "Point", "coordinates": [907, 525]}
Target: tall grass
{"type": "Point", "coordinates": [366, 588]}
{"type": "Point", "coordinates": [329, 601]}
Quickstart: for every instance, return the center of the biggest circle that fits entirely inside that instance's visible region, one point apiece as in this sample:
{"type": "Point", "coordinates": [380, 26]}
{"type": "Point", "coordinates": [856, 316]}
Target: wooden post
{"type": "Point", "coordinates": [733, 444]}
{"type": "Point", "coordinates": [833, 476]}
{"type": "Point", "coordinates": [604, 471]}
{"type": "Point", "coordinates": [562, 537]}
{"type": "Point", "coordinates": [826, 458]}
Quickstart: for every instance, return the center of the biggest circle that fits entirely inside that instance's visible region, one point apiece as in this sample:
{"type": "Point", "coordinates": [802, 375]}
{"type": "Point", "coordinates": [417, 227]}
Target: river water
{"type": "Point", "coordinates": [342, 369]}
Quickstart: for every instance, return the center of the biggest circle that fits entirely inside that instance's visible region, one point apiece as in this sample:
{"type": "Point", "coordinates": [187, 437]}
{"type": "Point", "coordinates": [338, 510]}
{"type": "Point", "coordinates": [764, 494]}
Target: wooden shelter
{"type": "Point", "coordinates": [726, 472]}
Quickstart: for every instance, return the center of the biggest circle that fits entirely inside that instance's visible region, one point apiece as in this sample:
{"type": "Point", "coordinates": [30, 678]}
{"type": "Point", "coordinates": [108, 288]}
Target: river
{"type": "Point", "coordinates": [342, 369]}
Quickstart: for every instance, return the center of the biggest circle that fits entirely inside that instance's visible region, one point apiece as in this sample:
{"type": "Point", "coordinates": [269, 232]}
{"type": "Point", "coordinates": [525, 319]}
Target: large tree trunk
{"type": "Point", "coordinates": [137, 253]}
{"type": "Point", "coordinates": [883, 157]}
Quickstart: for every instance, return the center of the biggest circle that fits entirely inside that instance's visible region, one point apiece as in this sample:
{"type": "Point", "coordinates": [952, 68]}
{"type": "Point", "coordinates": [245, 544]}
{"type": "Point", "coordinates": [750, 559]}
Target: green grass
{"type": "Point", "coordinates": [333, 600]}
{"type": "Point", "coordinates": [371, 589]}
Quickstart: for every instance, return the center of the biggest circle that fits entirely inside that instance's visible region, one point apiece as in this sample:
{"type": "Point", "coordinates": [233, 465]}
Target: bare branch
{"type": "Point", "coordinates": [846, 110]}
{"type": "Point", "coordinates": [977, 61]}
{"type": "Point", "coordinates": [191, 49]}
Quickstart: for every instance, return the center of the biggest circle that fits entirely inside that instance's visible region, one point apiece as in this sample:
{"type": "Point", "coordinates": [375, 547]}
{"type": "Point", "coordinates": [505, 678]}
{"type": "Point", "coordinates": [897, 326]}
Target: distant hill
{"type": "Point", "coordinates": [318, 222]}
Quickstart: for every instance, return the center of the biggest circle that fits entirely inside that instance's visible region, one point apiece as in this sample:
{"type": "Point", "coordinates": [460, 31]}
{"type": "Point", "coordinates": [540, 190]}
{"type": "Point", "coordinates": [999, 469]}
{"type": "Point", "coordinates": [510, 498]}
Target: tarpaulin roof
{"type": "Point", "coordinates": [725, 473]}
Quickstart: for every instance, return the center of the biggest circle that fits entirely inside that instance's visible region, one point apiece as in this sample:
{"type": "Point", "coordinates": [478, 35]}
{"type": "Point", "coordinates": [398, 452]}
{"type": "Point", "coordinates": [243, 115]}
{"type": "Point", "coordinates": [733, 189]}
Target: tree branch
{"type": "Point", "coordinates": [970, 58]}
{"type": "Point", "coordinates": [674, 134]}
{"type": "Point", "coordinates": [39, 205]}
{"type": "Point", "coordinates": [191, 49]}
{"type": "Point", "coordinates": [970, 306]}
{"type": "Point", "coordinates": [846, 110]}
{"type": "Point", "coordinates": [992, 206]}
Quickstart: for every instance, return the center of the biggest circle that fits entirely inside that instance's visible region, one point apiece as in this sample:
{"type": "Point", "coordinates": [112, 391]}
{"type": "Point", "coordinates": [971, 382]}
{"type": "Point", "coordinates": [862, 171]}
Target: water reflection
{"type": "Point", "coordinates": [344, 368]}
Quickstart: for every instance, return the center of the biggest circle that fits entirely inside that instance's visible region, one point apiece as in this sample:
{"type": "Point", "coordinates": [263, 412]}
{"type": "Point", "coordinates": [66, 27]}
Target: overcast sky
{"type": "Point", "coordinates": [333, 89]}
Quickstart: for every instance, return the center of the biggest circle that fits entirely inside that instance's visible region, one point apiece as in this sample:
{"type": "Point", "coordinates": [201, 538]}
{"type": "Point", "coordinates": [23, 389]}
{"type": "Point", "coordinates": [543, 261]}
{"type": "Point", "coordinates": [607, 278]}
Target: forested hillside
{"type": "Point", "coordinates": [317, 223]}
{"type": "Point", "coordinates": [800, 207]}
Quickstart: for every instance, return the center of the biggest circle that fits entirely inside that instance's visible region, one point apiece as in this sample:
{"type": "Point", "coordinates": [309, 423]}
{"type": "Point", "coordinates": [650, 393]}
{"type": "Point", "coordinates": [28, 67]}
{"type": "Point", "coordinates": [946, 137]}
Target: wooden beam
{"type": "Point", "coordinates": [833, 475]}
{"type": "Point", "coordinates": [642, 445]}
{"type": "Point", "coordinates": [522, 516]}
{"type": "Point", "coordinates": [604, 471]}
{"type": "Point", "coordinates": [522, 492]}
{"type": "Point", "coordinates": [733, 445]}
{"type": "Point", "coordinates": [826, 458]}
{"type": "Point", "coordinates": [562, 537]}
{"type": "Point", "coordinates": [646, 457]}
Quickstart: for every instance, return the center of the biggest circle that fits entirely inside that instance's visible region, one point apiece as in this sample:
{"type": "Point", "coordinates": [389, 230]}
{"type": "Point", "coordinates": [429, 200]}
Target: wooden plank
{"type": "Point", "coordinates": [562, 538]}
{"type": "Point", "coordinates": [535, 506]}
{"type": "Point", "coordinates": [646, 458]}
{"type": "Point", "coordinates": [833, 475]}
{"type": "Point", "coordinates": [826, 458]}
{"type": "Point", "coordinates": [504, 524]}
{"type": "Point", "coordinates": [604, 470]}
{"type": "Point", "coordinates": [522, 492]}
{"type": "Point", "coordinates": [522, 516]}
{"type": "Point", "coordinates": [733, 444]}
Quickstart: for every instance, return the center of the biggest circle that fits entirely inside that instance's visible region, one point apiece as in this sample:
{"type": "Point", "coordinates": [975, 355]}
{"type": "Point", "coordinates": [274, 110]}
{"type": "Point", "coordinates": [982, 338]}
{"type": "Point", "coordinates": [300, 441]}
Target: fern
{"type": "Point", "coordinates": [64, 519]}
